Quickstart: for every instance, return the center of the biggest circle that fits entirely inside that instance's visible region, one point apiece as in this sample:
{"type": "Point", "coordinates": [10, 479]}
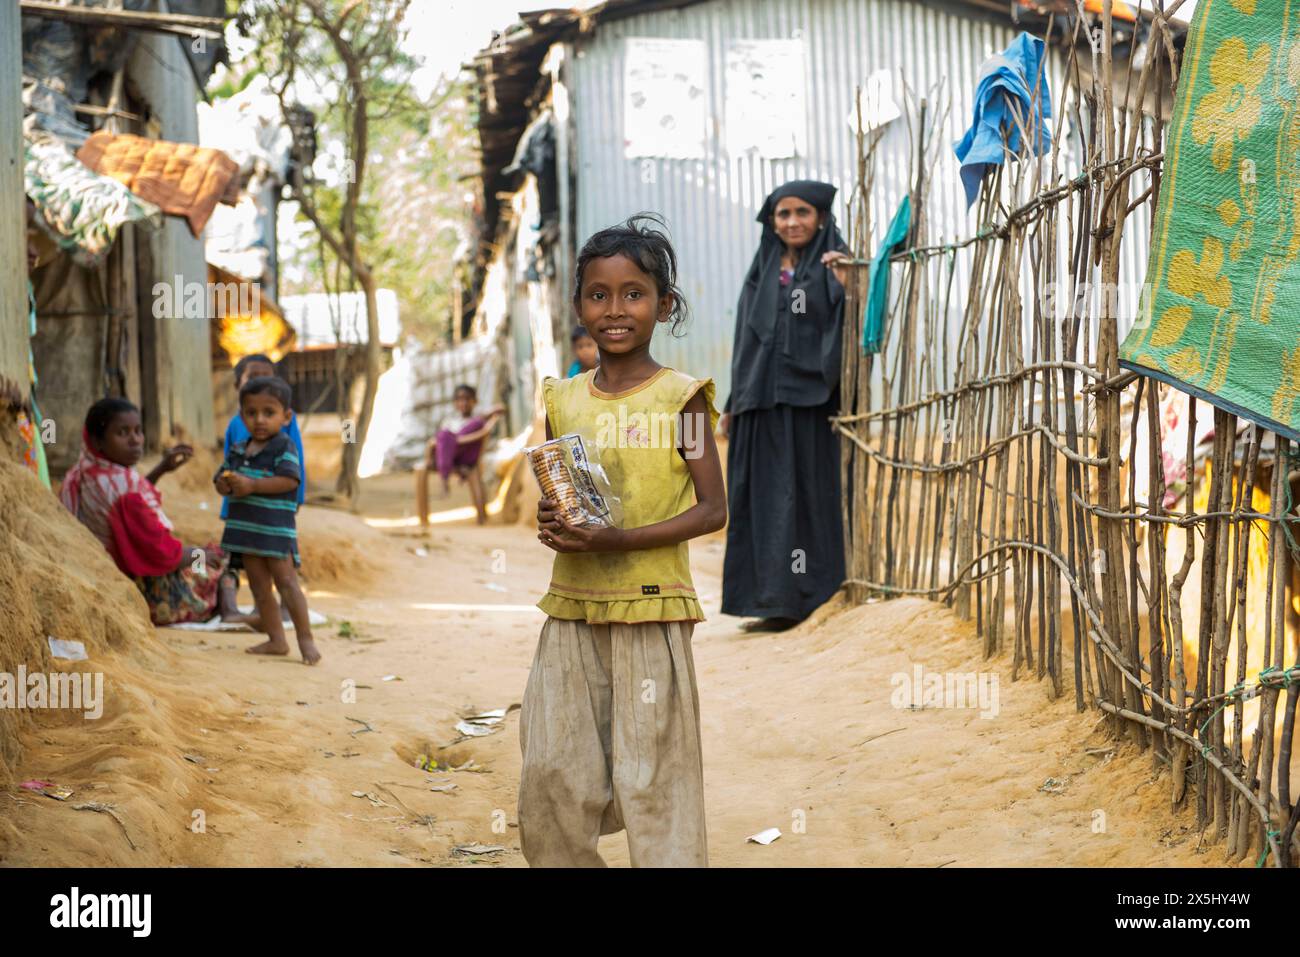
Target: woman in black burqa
{"type": "Point", "coordinates": [785, 550]}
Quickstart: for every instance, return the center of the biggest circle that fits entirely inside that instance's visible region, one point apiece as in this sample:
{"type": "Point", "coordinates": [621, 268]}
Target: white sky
{"type": "Point", "coordinates": [446, 33]}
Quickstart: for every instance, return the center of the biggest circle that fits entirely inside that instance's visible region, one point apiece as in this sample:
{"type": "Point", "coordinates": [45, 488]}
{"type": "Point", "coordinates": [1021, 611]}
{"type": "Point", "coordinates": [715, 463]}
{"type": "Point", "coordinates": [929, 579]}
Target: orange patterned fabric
{"type": "Point", "coordinates": [181, 178]}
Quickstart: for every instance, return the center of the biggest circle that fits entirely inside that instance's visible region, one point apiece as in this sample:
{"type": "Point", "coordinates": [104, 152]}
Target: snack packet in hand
{"type": "Point", "coordinates": [575, 482]}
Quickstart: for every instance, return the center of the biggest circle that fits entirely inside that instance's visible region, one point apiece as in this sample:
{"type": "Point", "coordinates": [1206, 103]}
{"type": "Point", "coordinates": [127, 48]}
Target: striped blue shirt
{"type": "Point", "coordinates": [263, 524]}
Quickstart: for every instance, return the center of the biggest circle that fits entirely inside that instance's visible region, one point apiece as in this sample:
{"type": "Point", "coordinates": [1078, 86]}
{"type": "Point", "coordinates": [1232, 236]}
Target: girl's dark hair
{"type": "Point", "coordinates": [463, 387]}
{"type": "Point", "coordinates": [102, 413]}
{"type": "Point", "coordinates": [245, 362]}
{"type": "Point", "coordinates": [649, 248]}
{"type": "Point", "coordinates": [270, 385]}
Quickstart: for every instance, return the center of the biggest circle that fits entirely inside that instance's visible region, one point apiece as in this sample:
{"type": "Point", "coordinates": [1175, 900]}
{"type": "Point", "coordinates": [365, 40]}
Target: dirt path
{"type": "Point", "coordinates": [799, 733]}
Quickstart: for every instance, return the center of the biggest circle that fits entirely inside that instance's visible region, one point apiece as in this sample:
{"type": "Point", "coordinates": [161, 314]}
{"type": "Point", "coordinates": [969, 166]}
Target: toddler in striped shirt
{"type": "Point", "coordinates": [260, 476]}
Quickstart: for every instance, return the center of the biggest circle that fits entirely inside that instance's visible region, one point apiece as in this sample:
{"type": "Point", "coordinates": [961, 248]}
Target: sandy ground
{"type": "Point", "coordinates": [209, 756]}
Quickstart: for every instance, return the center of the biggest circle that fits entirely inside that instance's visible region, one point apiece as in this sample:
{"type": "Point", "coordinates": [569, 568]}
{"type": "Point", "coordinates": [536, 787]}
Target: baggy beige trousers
{"type": "Point", "coordinates": [610, 731]}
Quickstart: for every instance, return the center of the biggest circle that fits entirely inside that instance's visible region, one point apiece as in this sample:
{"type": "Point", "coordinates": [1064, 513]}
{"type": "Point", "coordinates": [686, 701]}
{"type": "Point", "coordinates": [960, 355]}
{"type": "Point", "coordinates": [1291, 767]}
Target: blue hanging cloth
{"type": "Point", "coordinates": [873, 316]}
{"type": "Point", "coordinates": [1007, 85]}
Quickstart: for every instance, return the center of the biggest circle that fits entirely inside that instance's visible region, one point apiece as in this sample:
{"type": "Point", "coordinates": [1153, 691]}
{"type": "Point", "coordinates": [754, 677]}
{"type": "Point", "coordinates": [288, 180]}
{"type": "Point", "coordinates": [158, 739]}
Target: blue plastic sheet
{"type": "Point", "coordinates": [1012, 83]}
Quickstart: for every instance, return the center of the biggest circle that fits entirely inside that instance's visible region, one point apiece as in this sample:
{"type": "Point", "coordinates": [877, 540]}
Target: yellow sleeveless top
{"type": "Point", "coordinates": [634, 434]}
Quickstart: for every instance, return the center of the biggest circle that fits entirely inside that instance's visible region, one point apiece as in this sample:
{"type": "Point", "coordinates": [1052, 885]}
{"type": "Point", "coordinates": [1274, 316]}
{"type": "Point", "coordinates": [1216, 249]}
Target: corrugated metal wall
{"type": "Point", "coordinates": [13, 241]}
{"type": "Point", "coordinates": [710, 204]}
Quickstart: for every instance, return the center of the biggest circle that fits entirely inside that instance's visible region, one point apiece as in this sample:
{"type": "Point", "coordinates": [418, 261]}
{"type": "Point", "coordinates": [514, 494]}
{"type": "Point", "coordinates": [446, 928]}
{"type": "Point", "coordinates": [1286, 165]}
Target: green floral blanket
{"type": "Point", "coordinates": [1221, 312]}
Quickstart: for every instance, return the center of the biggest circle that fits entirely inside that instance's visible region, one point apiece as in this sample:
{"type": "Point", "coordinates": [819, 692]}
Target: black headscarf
{"type": "Point", "coordinates": [781, 357]}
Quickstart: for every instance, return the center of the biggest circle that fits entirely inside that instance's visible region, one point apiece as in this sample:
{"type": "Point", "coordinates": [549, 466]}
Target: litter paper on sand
{"type": "Point", "coordinates": [71, 650]}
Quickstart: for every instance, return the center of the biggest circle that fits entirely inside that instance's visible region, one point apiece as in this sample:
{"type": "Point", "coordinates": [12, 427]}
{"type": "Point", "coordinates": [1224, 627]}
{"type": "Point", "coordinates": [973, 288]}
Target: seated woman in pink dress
{"type": "Point", "coordinates": [456, 448]}
{"type": "Point", "coordinates": [123, 509]}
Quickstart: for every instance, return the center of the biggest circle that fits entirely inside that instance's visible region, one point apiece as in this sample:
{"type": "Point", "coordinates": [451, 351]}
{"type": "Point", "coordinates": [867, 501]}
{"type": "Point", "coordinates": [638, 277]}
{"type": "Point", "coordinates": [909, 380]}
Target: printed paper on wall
{"type": "Point", "coordinates": [665, 107]}
{"type": "Point", "coordinates": [765, 110]}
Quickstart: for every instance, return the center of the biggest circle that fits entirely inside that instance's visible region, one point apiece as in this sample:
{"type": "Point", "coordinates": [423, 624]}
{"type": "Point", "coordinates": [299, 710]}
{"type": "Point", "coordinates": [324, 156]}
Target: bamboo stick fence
{"type": "Point", "coordinates": [984, 463]}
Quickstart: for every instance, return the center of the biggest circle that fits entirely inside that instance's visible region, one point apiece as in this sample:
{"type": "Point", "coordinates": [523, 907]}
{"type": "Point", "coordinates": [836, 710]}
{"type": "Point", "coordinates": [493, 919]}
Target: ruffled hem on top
{"type": "Point", "coordinates": [634, 611]}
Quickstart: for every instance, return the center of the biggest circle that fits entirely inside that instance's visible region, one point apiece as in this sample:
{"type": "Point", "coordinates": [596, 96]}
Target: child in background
{"type": "Point", "coordinates": [255, 366]}
{"type": "Point", "coordinates": [258, 366]}
{"type": "Point", "coordinates": [456, 448]}
{"type": "Point", "coordinates": [123, 509]}
{"type": "Point", "coordinates": [584, 347]}
{"type": "Point", "coordinates": [610, 726]}
{"type": "Point", "coordinates": [261, 476]}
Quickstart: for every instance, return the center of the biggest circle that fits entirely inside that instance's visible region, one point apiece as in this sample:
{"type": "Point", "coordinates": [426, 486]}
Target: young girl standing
{"type": "Point", "coordinates": [610, 722]}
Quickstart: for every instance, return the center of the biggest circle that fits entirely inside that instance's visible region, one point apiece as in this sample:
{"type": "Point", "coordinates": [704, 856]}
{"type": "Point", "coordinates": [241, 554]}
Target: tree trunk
{"type": "Point", "coordinates": [355, 438]}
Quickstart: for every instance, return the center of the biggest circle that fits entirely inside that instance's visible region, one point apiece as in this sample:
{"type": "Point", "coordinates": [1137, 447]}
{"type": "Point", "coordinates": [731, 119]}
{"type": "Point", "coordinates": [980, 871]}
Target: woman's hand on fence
{"type": "Point", "coordinates": [836, 261]}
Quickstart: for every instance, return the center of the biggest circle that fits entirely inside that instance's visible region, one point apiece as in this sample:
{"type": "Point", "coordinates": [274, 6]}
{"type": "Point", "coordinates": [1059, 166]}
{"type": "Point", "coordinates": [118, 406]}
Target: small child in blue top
{"type": "Point", "coordinates": [261, 477]}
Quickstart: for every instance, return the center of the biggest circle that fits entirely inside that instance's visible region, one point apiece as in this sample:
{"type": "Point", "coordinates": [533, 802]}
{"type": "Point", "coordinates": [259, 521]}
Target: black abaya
{"type": "Point", "coordinates": [785, 550]}
{"type": "Point", "coordinates": [785, 547]}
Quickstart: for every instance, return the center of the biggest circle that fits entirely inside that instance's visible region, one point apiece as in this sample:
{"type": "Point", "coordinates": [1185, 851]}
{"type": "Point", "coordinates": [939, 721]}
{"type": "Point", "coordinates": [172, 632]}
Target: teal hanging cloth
{"type": "Point", "coordinates": [873, 317]}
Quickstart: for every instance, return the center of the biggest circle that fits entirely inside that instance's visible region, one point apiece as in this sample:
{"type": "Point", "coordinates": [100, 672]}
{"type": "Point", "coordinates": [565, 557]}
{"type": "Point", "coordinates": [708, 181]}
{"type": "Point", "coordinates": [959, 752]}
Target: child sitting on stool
{"type": "Point", "coordinates": [456, 448]}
